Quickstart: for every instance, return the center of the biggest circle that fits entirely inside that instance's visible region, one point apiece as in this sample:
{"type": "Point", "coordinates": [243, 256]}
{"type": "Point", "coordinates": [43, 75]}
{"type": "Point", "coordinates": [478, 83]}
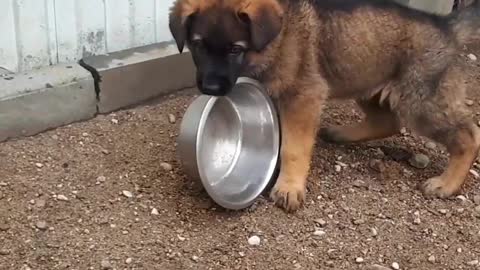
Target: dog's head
{"type": "Point", "coordinates": [220, 34]}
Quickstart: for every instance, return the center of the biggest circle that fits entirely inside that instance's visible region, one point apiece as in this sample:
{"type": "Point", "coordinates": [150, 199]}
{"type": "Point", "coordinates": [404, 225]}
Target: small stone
{"type": "Point", "coordinates": [4, 226]}
{"type": "Point", "coordinates": [106, 264]}
{"type": "Point", "coordinates": [155, 212]}
{"type": "Point", "coordinates": [4, 252]}
{"type": "Point", "coordinates": [431, 259]}
{"type": "Point", "coordinates": [320, 222]}
{"type": "Point", "coordinates": [430, 145]}
{"type": "Point", "coordinates": [472, 263]}
{"type": "Point", "coordinates": [166, 166]}
{"type": "Point", "coordinates": [319, 233]}
{"type": "Point", "coordinates": [403, 131]}
{"type": "Point", "coordinates": [395, 266]}
{"type": "Point", "coordinates": [472, 57]}
{"type": "Point", "coordinates": [461, 198]}
{"type": "Point", "coordinates": [39, 165]}
{"type": "Point", "coordinates": [477, 209]}
{"type": "Point", "coordinates": [419, 161]}
{"type": "Point", "coordinates": [475, 174]}
{"type": "Point", "coordinates": [417, 220]}
{"type": "Point", "coordinates": [359, 260]}
{"type": "Point", "coordinates": [3, 184]}
{"type": "Point", "coordinates": [195, 258]}
{"type": "Point", "coordinates": [128, 260]}
{"type": "Point", "coordinates": [338, 168]}
{"type": "Point", "coordinates": [443, 211]}
{"type": "Point", "coordinates": [476, 199]}
{"type": "Point", "coordinates": [41, 225]}
{"type": "Point", "coordinates": [101, 178]}
{"type": "Point", "coordinates": [105, 151]}
{"type": "Point", "coordinates": [241, 254]}
{"type": "Point", "coordinates": [377, 267]}
{"type": "Point", "coordinates": [254, 240]}
{"type": "Point", "coordinates": [358, 221]}
{"type": "Point", "coordinates": [359, 184]}
{"type": "Point", "coordinates": [127, 194]}
{"type": "Point", "coordinates": [171, 119]}
{"type": "Point", "coordinates": [62, 198]}
{"type": "Point", "coordinates": [374, 232]}
{"type": "Point", "coordinates": [469, 102]}
{"type": "Point", "coordinates": [114, 121]}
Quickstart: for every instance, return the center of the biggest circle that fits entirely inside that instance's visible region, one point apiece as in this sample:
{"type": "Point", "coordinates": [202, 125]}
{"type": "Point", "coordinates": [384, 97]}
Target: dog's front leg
{"type": "Point", "coordinates": [299, 116]}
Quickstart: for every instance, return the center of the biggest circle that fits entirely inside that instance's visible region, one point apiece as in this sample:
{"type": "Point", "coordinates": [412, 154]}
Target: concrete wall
{"type": "Point", "coordinates": [37, 33]}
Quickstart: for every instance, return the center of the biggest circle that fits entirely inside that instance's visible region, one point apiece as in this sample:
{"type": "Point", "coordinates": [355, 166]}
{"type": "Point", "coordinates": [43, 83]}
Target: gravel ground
{"type": "Point", "coordinates": [110, 194]}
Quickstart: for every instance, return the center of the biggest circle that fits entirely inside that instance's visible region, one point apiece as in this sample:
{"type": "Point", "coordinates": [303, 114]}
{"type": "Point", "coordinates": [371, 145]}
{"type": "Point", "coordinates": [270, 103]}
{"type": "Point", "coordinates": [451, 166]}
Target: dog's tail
{"type": "Point", "coordinates": [466, 23]}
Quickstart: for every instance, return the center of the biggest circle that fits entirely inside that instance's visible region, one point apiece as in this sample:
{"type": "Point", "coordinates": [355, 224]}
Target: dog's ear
{"type": "Point", "coordinates": [264, 18]}
{"type": "Point", "coordinates": [179, 20]}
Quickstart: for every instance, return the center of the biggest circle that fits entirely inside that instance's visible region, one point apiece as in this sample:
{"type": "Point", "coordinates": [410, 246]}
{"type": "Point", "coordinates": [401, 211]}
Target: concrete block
{"type": "Point", "coordinates": [46, 98]}
{"type": "Point", "coordinates": [133, 76]}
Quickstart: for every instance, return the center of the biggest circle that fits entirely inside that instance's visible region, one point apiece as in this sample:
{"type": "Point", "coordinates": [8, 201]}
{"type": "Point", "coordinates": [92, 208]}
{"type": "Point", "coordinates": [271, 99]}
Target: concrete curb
{"type": "Point", "coordinates": [133, 76]}
{"type": "Point", "coordinates": [43, 99]}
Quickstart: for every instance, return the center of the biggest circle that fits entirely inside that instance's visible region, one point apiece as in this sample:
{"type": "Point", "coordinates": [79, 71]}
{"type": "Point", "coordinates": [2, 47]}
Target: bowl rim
{"type": "Point", "coordinates": [209, 104]}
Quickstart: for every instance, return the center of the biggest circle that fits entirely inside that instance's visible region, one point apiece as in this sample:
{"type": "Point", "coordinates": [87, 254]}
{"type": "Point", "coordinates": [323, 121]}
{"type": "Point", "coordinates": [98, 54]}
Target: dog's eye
{"type": "Point", "coordinates": [234, 50]}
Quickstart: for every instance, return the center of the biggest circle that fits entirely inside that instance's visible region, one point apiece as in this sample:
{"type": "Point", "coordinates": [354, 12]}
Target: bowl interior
{"type": "Point", "coordinates": [237, 146]}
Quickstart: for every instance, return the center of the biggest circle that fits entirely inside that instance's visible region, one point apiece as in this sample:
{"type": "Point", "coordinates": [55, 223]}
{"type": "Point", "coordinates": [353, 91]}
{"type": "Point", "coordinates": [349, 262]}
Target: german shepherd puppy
{"type": "Point", "coordinates": [396, 62]}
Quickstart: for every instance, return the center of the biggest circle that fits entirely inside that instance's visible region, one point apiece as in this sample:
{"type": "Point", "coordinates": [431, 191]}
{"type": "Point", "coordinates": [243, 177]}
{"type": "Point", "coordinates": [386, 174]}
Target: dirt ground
{"type": "Point", "coordinates": [94, 195]}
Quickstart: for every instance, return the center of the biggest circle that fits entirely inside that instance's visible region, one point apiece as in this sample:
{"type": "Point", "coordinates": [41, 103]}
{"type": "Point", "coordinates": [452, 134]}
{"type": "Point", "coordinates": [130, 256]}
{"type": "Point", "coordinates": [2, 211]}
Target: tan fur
{"type": "Point", "coordinates": [398, 68]}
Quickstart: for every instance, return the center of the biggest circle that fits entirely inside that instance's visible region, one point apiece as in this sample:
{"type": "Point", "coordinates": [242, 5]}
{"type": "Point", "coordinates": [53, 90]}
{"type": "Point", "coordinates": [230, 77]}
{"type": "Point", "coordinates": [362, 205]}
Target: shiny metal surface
{"type": "Point", "coordinates": [231, 143]}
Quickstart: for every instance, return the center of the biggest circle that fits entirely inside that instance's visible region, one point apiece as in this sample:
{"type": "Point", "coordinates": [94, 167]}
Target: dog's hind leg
{"type": "Point", "coordinates": [439, 113]}
{"type": "Point", "coordinates": [379, 122]}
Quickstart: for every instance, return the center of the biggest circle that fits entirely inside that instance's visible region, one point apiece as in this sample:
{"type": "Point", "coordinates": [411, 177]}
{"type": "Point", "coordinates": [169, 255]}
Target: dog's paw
{"type": "Point", "coordinates": [332, 135]}
{"type": "Point", "coordinates": [288, 195]}
{"type": "Point", "coordinates": [438, 187]}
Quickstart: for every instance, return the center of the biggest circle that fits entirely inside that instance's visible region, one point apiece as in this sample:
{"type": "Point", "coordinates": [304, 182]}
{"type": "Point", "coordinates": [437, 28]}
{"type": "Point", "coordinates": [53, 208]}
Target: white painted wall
{"type": "Point", "coordinates": [36, 33]}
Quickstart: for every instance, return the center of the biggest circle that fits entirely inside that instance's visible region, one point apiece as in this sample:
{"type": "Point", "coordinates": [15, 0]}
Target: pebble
{"type": "Point", "coordinates": [155, 212]}
{"type": "Point", "coordinates": [254, 240]}
{"type": "Point", "coordinates": [474, 173]}
{"type": "Point", "coordinates": [431, 259]}
{"type": "Point", "coordinates": [172, 119]}
{"type": "Point", "coordinates": [114, 121]}
{"type": "Point", "coordinates": [320, 222]}
{"type": "Point", "coordinates": [476, 199]}
{"type": "Point", "coordinates": [338, 168]}
{"type": "Point", "coordinates": [62, 198]}
{"type": "Point", "coordinates": [4, 252]}
{"type": "Point", "coordinates": [377, 267]}
{"type": "Point", "coordinates": [359, 184]}
{"type": "Point", "coordinates": [359, 260]}
{"type": "Point", "coordinates": [195, 258]}
{"type": "Point", "coordinates": [443, 211]}
{"type": "Point", "coordinates": [430, 145]}
{"type": "Point", "coordinates": [106, 264]}
{"type": "Point", "coordinates": [4, 226]}
{"type": "Point", "coordinates": [166, 166]}
{"type": "Point", "coordinates": [474, 262]}
{"type": "Point", "coordinates": [472, 57]}
{"type": "Point", "coordinates": [374, 231]}
{"type": "Point", "coordinates": [469, 102]}
{"type": "Point", "coordinates": [477, 209]}
{"type": "Point", "coordinates": [319, 233]}
{"type": "Point", "coordinates": [127, 194]}
{"type": "Point", "coordinates": [41, 225]}
{"type": "Point", "coordinates": [128, 260]}
{"type": "Point", "coordinates": [461, 198]}
{"type": "Point", "coordinates": [39, 165]}
{"type": "Point", "coordinates": [395, 266]}
{"type": "Point", "coordinates": [419, 161]}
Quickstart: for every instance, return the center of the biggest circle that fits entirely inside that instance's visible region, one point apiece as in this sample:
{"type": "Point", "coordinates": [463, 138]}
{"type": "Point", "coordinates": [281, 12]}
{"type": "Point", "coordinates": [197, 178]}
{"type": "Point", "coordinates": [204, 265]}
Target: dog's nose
{"type": "Point", "coordinates": [211, 88]}
{"type": "Point", "coordinates": [215, 86]}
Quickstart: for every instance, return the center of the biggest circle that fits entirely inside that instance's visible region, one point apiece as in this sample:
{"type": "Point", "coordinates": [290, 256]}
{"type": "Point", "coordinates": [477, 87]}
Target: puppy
{"type": "Point", "coordinates": [396, 62]}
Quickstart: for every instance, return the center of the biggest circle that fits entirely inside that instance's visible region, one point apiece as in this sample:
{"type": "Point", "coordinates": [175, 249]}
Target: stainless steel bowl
{"type": "Point", "coordinates": [231, 143]}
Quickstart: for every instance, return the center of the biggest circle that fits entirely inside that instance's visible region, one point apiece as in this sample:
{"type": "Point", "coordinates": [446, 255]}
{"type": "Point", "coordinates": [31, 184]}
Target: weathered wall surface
{"type": "Point", "coordinates": [38, 33]}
